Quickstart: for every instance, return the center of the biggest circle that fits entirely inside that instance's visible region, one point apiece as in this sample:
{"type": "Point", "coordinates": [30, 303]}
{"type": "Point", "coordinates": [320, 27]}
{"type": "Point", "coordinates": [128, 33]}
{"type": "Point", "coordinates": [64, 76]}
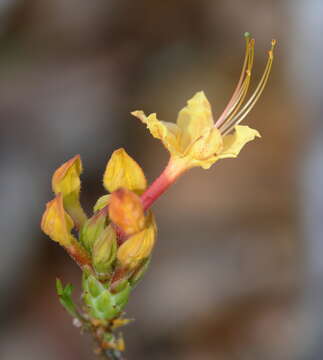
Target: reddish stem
{"type": "Point", "coordinates": [172, 171]}
{"type": "Point", "coordinates": [79, 255]}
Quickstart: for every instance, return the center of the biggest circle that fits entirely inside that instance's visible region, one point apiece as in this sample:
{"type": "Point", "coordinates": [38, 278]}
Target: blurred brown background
{"type": "Point", "coordinates": [237, 270]}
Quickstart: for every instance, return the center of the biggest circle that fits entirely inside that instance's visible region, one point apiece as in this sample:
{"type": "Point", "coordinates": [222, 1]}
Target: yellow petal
{"type": "Point", "coordinates": [139, 246]}
{"type": "Point", "coordinates": [66, 180]}
{"type": "Point", "coordinates": [194, 119]}
{"type": "Point", "coordinates": [167, 132]}
{"type": "Point", "coordinates": [209, 144]}
{"type": "Point", "coordinates": [123, 171]}
{"type": "Point", "coordinates": [207, 163]}
{"type": "Point", "coordinates": [233, 143]}
{"type": "Point", "coordinates": [126, 211]}
{"type": "Point", "coordinates": [56, 223]}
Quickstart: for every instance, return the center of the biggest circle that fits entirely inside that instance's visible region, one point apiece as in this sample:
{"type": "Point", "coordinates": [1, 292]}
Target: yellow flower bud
{"type": "Point", "coordinates": [104, 250]}
{"type": "Point", "coordinates": [123, 171]}
{"type": "Point", "coordinates": [56, 223]}
{"type": "Point", "coordinates": [139, 246]}
{"type": "Point", "coordinates": [66, 180]}
{"type": "Point", "coordinates": [126, 211]}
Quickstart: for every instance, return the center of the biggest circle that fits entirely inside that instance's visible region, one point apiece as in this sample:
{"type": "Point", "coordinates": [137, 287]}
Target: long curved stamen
{"type": "Point", "coordinates": [255, 96]}
{"type": "Point", "coordinates": [244, 87]}
{"type": "Point", "coordinates": [242, 91]}
{"type": "Point", "coordinates": [236, 97]}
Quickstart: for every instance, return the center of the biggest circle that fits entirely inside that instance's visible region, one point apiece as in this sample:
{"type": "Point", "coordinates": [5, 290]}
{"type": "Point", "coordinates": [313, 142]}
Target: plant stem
{"type": "Point", "coordinates": [114, 355]}
{"type": "Point", "coordinates": [173, 170]}
{"type": "Point", "coordinates": [98, 336]}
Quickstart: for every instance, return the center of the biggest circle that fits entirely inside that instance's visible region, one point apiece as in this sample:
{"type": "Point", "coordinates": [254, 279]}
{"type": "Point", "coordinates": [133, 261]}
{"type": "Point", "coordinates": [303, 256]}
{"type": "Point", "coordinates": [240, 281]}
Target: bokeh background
{"type": "Point", "coordinates": [237, 271]}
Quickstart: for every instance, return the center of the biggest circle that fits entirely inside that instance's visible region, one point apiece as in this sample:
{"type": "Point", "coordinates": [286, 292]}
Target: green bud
{"type": "Point", "coordinates": [91, 230]}
{"type": "Point", "coordinates": [121, 298]}
{"type": "Point", "coordinates": [94, 287]}
{"type": "Point", "coordinates": [101, 202]}
{"type": "Point", "coordinates": [104, 251]}
{"type": "Point", "coordinates": [103, 304]}
{"type": "Point", "coordinates": [97, 298]}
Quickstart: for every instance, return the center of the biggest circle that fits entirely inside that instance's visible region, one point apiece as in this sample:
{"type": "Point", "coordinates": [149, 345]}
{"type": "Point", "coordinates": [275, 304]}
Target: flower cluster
{"type": "Point", "coordinates": [114, 245]}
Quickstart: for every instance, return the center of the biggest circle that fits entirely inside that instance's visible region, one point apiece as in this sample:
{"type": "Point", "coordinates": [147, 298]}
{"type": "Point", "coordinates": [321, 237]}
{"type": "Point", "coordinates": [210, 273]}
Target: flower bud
{"type": "Point", "coordinates": [56, 223]}
{"type": "Point", "coordinates": [104, 251]}
{"type": "Point", "coordinates": [123, 171]}
{"type": "Point", "coordinates": [66, 180]}
{"type": "Point", "coordinates": [139, 246]}
{"type": "Point", "coordinates": [126, 211]}
{"type": "Point", "coordinates": [92, 229]}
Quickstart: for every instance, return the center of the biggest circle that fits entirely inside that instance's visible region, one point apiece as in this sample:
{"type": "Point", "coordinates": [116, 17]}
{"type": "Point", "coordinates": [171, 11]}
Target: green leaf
{"type": "Point", "coordinates": [65, 298]}
{"type": "Point", "coordinates": [59, 287]}
{"type": "Point", "coordinates": [121, 298]}
{"type": "Point", "coordinates": [69, 289]}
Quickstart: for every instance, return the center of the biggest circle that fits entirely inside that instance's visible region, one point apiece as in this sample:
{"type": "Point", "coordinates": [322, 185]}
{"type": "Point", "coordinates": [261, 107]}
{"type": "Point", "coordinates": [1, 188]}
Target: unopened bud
{"type": "Point", "coordinates": [66, 180]}
{"type": "Point", "coordinates": [56, 223]}
{"type": "Point", "coordinates": [138, 247]}
{"type": "Point", "coordinates": [104, 251]}
{"type": "Point", "coordinates": [123, 171]}
{"type": "Point", "coordinates": [92, 229]}
{"type": "Point", "coordinates": [126, 211]}
{"type": "Point", "coordinates": [103, 304]}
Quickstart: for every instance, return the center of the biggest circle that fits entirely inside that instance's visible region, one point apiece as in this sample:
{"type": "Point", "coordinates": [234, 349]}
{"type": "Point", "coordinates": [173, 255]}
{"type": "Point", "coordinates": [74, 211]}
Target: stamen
{"type": "Point", "coordinates": [247, 64]}
{"type": "Point", "coordinates": [255, 96]}
{"type": "Point", "coordinates": [244, 89]}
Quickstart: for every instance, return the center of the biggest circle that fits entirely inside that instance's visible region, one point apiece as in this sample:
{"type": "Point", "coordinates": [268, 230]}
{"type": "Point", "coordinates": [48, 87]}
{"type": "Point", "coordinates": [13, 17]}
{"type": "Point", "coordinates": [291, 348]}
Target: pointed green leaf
{"type": "Point", "coordinates": [59, 287]}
